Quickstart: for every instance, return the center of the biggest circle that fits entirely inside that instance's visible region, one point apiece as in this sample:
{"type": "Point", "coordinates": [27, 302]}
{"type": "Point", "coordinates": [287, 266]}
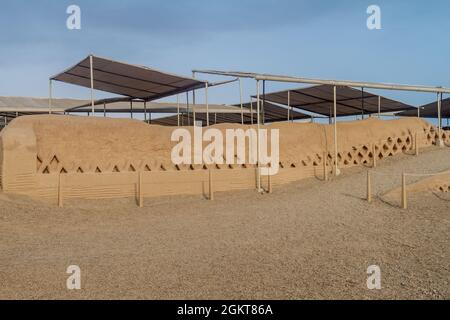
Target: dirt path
{"type": "Point", "coordinates": [307, 240]}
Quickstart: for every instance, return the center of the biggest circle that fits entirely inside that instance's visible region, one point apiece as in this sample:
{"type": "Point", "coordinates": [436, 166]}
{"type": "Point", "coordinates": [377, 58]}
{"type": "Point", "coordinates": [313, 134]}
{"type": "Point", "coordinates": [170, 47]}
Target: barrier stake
{"type": "Point", "coordinates": [60, 195]}
{"type": "Point", "coordinates": [404, 199]}
{"type": "Point", "coordinates": [141, 198]}
{"type": "Point", "coordinates": [369, 187]}
{"type": "Point", "coordinates": [374, 156]}
{"type": "Point", "coordinates": [416, 144]}
{"type": "Point", "coordinates": [211, 191]}
{"type": "Point", "coordinates": [269, 181]}
{"type": "Point", "coordinates": [325, 171]}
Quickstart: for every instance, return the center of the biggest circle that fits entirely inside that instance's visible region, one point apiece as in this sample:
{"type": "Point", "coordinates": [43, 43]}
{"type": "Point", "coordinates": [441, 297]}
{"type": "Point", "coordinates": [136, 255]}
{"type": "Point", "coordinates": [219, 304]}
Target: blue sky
{"type": "Point", "coordinates": [319, 39]}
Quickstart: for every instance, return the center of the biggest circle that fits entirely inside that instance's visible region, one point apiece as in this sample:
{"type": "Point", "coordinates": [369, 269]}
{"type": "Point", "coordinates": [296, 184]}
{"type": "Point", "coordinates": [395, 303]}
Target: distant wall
{"type": "Point", "coordinates": [101, 158]}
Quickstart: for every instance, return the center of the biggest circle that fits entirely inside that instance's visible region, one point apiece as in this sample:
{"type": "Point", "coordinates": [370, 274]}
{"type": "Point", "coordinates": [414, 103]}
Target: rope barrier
{"type": "Point", "coordinates": [410, 174]}
{"type": "Point", "coordinates": [404, 200]}
{"type": "Point", "coordinates": [425, 174]}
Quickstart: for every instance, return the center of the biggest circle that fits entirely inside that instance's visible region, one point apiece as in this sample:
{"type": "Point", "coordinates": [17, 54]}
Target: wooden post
{"type": "Point", "coordinates": [211, 191]}
{"type": "Point", "coordinates": [60, 194]}
{"type": "Point", "coordinates": [369, 187]}
{"type": "Point", "coordinates": [404, 196]}
{"type": "Point", "coordinates": [269, 182]}
{"type": "Point", "coordinates": [140, 195]}
{"type": "Point", "coordinates": [416, 144]}
{"type": "Point", "coordinates": [374, 155]}
{"type": "Point", "coordinates": [325, 169]}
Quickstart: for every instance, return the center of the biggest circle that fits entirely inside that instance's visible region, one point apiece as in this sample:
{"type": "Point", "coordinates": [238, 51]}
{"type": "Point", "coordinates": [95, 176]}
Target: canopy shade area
{"type": "Point", "coordinates": [157, 107]}
{"type": "Point", "coordinates": [214, 118]}
{"type": "Point", "coordinates": [13, 106]}
{"type": "Point", "coordinates": [272, 113]}
{"type": "Point", "coordinates": [186, 119]}
{"type": "Point", "coordinates": [350, 101]}
{"type": "Point", "coordinates": [30, 105]}
{"type": "Point", "coordinates": [126, 79]}
{"type": "Point", "coordinates": [429, 110]}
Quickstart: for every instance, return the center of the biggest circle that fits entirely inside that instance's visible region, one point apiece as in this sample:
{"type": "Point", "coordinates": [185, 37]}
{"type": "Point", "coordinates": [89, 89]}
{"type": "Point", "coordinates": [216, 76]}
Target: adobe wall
{"type": "Point", "coordinates": [102, 157]}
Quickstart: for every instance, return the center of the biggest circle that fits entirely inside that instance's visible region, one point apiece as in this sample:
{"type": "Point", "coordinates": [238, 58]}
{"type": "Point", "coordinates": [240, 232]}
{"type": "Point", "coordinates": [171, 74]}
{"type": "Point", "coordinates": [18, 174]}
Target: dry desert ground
{"type": "Point", "coordinates": [307, 240]}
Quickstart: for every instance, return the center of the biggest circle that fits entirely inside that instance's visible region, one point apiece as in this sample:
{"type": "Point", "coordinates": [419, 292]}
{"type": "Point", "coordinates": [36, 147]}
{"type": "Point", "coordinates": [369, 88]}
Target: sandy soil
{"type": "Point", "coordinates": [307, 240]}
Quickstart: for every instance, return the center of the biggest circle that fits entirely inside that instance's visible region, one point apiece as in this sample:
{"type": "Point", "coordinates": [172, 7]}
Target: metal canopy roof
{"type": "Point", "coordinates": [273, 112]}
{"type": "Point", "coordinates": [157, 107]}
{"type": "Point", "coordinates": [429, 110]}
{"type": "Point", "coordinates": [30, 105]}
{"type": "Point", "coordinates": [127, 79]}
{"type": "Point", "coordinates": [319, 99]}
{"type": "Point", "coordinates": [36, 105]}
{"type": "Point", "coordinates": [359, 84]}
{"type": "Point", "coordinates": [214, 118]}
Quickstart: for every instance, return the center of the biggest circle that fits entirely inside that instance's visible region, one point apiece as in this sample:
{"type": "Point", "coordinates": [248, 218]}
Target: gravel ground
{"type": "Point", "coordinates": [307, 240]}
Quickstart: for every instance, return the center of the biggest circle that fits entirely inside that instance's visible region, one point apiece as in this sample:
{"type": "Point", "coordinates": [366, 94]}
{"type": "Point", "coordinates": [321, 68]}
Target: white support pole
{"type": "Point", "coordinates": [439, 111]}
{"type": "Point", "coordinates": [131, 109]}
{"type": "Point", "coordinates": [418, 112]}
{"type": "Point", "coordinates": [379, 107]}
{"type": "Point", "coordinates": [193, 109]}
{"type": "Point", "coordinates": [207, 104]}
{"type": "Point", "coordinates": [336, 169]}
{"type": "Point", "coordinates": [50, 96]}
{"type": "Point", "coordinates": [362, 103]}
{"type": "Point", "coordinates": [263, 111]}
{"type": "Point", "coordinates": [289, 104]}
{"type": "Point", "coordinates": [91, 67]}
{"type": "Point", "coordinates": [145, 111]}
{"type": "Point", "coordinates": [178, 109]}
{"type": "Point", "coordinates": [440, 142]}
{"type": "Point", "coordinates": [240, 98]}
{"type": "Point", "coordinates": [187, 109]}
{"type": "Point", "coordinates": [251, 110]}
{"type": "Point", "coordinates": [258, 140]}
{"type": "Point", "coordinates": [193, 92]}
